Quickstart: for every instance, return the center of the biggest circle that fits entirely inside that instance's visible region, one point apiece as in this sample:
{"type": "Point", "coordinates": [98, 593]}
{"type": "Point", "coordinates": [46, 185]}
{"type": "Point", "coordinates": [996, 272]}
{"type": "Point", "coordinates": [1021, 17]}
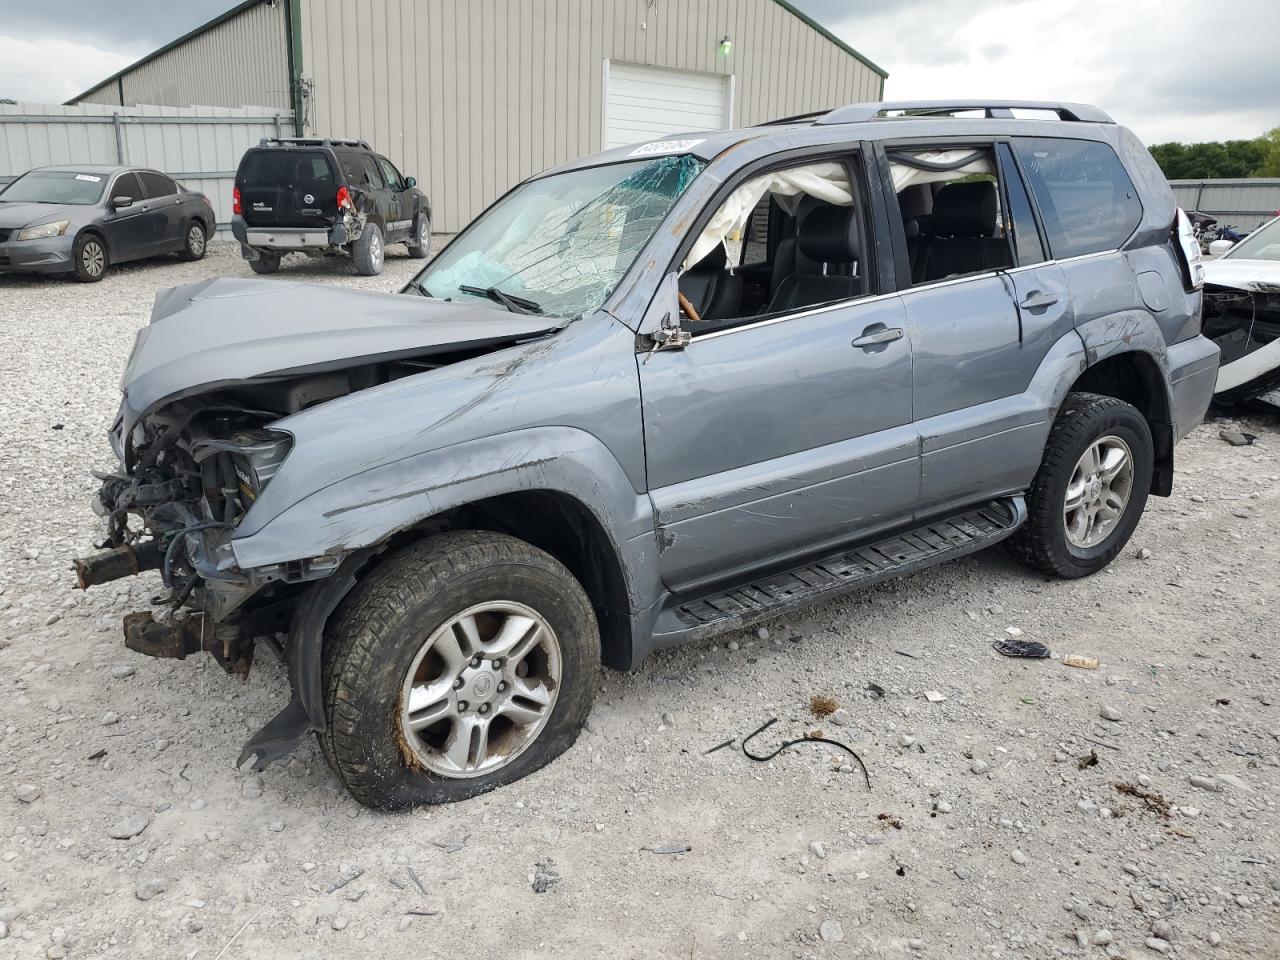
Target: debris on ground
{"type": "Point", "coordinates": [820, 705]}
{"type": "Point", "coordinates": [889, 820]}
{"type": "Point", "coordinates": [669, 850]}
{"type": "Point", "coordinates": [1031, 649]}
{"type": "Point", "coordinates": [875, 690]}
{"type": "Point", "coordinates": [1081, 661]}
{"type": "Point", "coordinates": [1152, 801]}
{"type": "Point", "coordinates": [934, 696]}
{"type": "Point", "coordinates": [1091, 760]}
{"type": "Point", "coordinates": [544, 877]}
{"type": "Point", "coordinates": [808, 738]}
{"type": "Point", "coordinates": [1238, 438]}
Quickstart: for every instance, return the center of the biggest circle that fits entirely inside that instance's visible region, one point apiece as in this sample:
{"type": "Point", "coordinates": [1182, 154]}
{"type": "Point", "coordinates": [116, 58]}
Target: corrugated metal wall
{"type": "Point", "coordinates": [473, 97]}
{"type": "Point", "coordinates": [242, 60]}
{"type": "Point", "coordinates": [200, 147]}
{"type": "Point", "coordinates": [1236, 203]}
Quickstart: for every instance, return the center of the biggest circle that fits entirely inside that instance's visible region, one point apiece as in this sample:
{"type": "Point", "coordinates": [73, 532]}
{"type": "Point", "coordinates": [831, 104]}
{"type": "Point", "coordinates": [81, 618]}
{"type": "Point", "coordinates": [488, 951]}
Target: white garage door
{"type": "Point", "coordinates": [647, 103]}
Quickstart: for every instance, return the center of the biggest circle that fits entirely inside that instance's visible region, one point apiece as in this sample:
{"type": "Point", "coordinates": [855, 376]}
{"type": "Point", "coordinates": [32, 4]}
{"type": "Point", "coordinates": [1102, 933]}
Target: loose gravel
{"type": "Point", "coordinates": [994, 826]}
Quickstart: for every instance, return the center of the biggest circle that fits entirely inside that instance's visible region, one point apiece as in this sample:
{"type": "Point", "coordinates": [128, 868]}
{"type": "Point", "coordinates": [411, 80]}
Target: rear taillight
{"type": "Point", "coordinates": [1188, 247]}
{"type": "Point", "coordinates": [344, 199]}
{"type": "Point", "coordinates": [235, 200]}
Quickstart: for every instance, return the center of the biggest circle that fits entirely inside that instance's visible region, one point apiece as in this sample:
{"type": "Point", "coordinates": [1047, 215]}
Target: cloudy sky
{"type": "Point", "coordinates": [1170, 69]}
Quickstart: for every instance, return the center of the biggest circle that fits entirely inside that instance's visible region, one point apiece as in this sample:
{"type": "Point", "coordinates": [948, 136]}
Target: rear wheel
{"type": "Point", "coordinates": [1091, 488]}
{"type": "Point", "coordinates": [420, 242]}
{"type": "Point", "coordinates": [462, 663]}
{"type": "Point", "coordinates": [266, 263]}
{"type": "Point", "coordinates": [89, 259]}
{"type": "Point", "coordinates": [368, 251]}
{"type": "Point", "coordinates": [194, 244]}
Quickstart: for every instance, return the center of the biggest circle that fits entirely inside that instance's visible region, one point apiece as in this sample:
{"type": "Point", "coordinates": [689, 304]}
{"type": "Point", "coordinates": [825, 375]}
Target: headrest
{"type": "Point", "coordinates": [966, 209]}
{"type": "Point", "coordinates": [717, 259]}
{"type": "Point", "coordinates": [915, 201]}
{"type": "Point", "coordinates": [828, 234]}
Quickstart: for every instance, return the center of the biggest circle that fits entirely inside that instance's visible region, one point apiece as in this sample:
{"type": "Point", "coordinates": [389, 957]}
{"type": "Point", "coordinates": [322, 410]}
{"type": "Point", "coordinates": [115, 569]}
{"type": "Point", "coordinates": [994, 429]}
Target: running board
{"type": "Point", "coordinates": [742, 606]}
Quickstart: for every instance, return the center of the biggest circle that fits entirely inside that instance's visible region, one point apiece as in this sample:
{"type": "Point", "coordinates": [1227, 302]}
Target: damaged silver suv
{"type": "Point", "coordinates": [653, 395]}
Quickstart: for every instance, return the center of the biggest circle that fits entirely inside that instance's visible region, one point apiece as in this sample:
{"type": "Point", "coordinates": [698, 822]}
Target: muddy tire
{"type": "Point", "coordinates": [89, 260]}
{"type": "Point", "coordinates": [420, 243]}
{"type": "Point", "coordinates": [369, 251]}
{"type": "Point", "coordinates": [266, 263]}
{"type": "Point", "coordinates": [461, 663]}
{"type": "Point", "coordinates": [195, 242]}
{"type": "Point", "coordinates": [1090, 490]}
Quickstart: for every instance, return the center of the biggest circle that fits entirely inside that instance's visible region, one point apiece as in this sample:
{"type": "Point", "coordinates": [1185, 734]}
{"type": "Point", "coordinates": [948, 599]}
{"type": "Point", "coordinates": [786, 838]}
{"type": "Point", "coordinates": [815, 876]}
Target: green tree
{"type": "Point", "coordinates": [1270, 163]}
{"type": "Point", "coordinates": [1216, 160]}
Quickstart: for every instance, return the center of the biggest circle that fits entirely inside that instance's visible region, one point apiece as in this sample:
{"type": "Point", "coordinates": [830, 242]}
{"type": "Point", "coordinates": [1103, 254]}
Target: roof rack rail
{"type": "Point", "coordinates": [993, 109]}
{"type": "Point", "coordinates": [316, 141]}
{"type": "Point", "coordinates": [811, 115]}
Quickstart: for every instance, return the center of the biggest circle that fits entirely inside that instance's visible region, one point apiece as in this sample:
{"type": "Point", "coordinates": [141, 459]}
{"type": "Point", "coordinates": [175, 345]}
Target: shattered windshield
{"type": "Point", "coordinates": [560, 244]}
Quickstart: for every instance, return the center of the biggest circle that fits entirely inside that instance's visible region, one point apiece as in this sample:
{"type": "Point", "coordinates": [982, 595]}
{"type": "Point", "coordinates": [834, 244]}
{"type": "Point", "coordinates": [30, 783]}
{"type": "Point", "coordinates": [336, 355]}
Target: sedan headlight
{"type": "Point", "coordinates": [44, 231]}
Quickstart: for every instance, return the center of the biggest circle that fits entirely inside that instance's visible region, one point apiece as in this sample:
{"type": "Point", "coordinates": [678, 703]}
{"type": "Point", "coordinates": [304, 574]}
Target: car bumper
{"type": "Point", "coordinates": [1193, 371]}
{"type": "Point", "coordinates": [283, 239]}
{"type": "Point", "coordinates": [37, 256]}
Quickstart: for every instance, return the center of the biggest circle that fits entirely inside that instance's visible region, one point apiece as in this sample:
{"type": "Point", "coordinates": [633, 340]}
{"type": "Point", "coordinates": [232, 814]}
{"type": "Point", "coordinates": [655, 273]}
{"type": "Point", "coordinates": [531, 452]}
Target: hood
{"type": "Point", "coordinates": [1262, 276]}
{"type": "Point", "coordinates": [23, 214]}
{"type": "Point", "coordinates": [207, 335]}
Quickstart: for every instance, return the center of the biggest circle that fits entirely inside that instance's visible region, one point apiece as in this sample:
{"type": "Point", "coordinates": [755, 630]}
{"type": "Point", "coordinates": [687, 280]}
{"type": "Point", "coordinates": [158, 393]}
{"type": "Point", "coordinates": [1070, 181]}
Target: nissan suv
{"type": "Point", "coordinates": [325, 197]}
{"type": "Point", "coordinates": [651, 396]}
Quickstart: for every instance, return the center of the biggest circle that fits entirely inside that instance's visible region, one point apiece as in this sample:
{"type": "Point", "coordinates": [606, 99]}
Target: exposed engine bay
{"type": "Point", "coordinates": [1244, 321]}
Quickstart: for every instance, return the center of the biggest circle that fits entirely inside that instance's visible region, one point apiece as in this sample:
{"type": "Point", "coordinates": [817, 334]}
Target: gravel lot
{"type": "Point", "coordinates": [988, 831]}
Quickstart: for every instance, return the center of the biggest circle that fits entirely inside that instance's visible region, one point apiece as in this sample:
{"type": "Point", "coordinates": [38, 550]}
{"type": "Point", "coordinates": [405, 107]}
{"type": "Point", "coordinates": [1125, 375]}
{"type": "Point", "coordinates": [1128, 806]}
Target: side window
{"type": "Point", "coordinates": [1087, 201]}
{"type": "Point", "coordinates": [372, 178]}
{"type": "Point", "coordinates": [157, 184]}
{"type": "Point", "coordinates": [953, 213]}
{"type": "Point", "coordinates": [127, 185]}
{"type": "Point", "coordinates": [392, 175]}
{"type": "Point", "coordinates": [736, 272]}
{"type": "Point", "coordinates": [1021, 219]}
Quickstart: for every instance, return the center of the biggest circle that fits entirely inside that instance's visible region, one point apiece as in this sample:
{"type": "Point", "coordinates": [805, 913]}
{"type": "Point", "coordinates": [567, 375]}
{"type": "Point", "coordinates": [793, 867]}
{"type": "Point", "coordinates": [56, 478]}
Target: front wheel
{"type": "Point", "coordinates": [1090, 490]}
{"type": "Point", "coordinates": [89, 259]}
{"type": "Point", "coordinates": [420, 243]}
{"type": "Point", "coordinates": [194, 243]}
{"type": "Point", "coordinates": [462, 663]}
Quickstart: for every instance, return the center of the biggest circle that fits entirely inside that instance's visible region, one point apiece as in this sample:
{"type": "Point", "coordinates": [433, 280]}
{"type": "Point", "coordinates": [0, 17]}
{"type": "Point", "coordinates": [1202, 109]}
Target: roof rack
{"type": "Point", "coordinates": [797, 118]}
{"type": "Point", "coordinates": [316, 142]}
{"type": "Point", "coordinates": [992, 109]}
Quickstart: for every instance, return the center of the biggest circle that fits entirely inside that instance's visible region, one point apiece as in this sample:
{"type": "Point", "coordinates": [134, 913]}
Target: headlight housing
{"type": "Point", "coordinates": [44, 231]}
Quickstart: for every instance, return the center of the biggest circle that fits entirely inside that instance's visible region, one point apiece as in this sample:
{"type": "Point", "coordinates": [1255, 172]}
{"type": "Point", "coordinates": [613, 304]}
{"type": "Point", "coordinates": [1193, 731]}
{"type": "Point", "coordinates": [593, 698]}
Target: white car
{"type": "Point", "coordinates": [1242, 315]}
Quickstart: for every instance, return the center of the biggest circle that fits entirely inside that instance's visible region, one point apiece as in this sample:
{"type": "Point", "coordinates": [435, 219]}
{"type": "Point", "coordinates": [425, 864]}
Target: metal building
{"type": "Point", "coordinates": [472, 96]}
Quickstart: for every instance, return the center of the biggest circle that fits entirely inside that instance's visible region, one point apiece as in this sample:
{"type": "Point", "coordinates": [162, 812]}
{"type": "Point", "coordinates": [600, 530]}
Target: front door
{"type": "Point", "coordinates": [128, 229]}
{"type": "Point", "coordinates": [771, 440]}
{"type": "Point", "coordinates": [399, 203]}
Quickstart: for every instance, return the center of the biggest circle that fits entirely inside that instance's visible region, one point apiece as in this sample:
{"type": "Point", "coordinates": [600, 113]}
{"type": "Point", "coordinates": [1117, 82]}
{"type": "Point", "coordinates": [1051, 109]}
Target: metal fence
{"type": "Point", "coordinates": [200, 147]}
{"type": "Point", "coordinates": [1238, 203]}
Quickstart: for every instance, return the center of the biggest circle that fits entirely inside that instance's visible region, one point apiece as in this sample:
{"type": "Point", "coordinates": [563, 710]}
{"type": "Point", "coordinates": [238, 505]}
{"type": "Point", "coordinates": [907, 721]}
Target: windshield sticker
{"type": "Point", "coordinates": [88, 176]}
{"type": "Point", "coordinates": [659, 147]}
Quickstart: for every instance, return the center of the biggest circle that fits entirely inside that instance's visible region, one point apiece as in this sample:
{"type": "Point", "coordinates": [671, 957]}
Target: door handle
{"type": "Point", "coordinates": [873, 337]}
{"type": "Point", "coordinates": [1038, 300]}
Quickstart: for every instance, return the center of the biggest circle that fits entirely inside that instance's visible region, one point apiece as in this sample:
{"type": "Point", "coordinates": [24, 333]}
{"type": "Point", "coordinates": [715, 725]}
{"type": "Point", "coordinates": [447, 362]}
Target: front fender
{"type": "Point", "coordinates": [365, 509]}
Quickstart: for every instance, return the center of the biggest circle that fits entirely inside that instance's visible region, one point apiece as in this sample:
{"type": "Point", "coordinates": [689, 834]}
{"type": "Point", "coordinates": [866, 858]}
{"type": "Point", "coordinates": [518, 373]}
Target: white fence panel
{"type": "Point", "coordinates": [1244, 203]}
{"type": "Point", "coordinates": [200, 147]}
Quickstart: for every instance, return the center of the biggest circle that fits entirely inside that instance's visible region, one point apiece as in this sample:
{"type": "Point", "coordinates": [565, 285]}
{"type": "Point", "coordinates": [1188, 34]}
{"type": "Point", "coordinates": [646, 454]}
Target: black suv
{"type": "Point", "coordinates": [325, 197]}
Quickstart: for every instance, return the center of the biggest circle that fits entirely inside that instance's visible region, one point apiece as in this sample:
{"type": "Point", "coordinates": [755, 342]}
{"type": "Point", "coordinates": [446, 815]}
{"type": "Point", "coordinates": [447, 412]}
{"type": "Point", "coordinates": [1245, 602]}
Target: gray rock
{"type": "Point", "coordinates": [1018, 857]}
{"type": "Point", "coordinates": [132, 825]}
{"type": "Point", "coordinates": [339, 923]}
{"type": "Point", "coordinates": [1234, 782]}
{"type": "Point", "coordinates": [668, 720]}
{"type": "Point", "coordinates": [150, 889]}
{"type": "Point", "coordinates": [915, 944]}
{"type": "Point", "coordinates": [830, 931]}
{"type": "Point", "coordinates": [979, 766]}
{"type": "Point", "coordinates": [252, 789]}
{"type": "Point", "coordinates": [1156, 944]}
{"type": "Point", "coordinates": [1215, 938]}
{"type": "Point", "coordinates": [1085, 805]}
{"type": "Point", "coordinates": [4, 930]}
{"type": "Point", "coordinates": [1101, 938]}
{"type": "Point", "coordinates": [1204, 783]}
{"type": "Point", "coordinates": [27, 792]}
{"type": "Point", "coordinates": [1163, 929]}
{"type": "Point", "coordinates": [818, 849]}
{"type": "Point", "coordinates": [1109, 712]}
{"type": "Point", "coordinates": [123, 671]}
{"type": "Point", "coordinates": [906, 740]}
{"type": "Point", "coordinates": [110, 718]}
{"type": "Point", "coordinates": [734, 646]}
{"type": "Point", "coordinates": [1144, 554]}
{"type": "Point", "coordinates": [841, 718]}
{"type": "Point", "coordinates": [762, 633]}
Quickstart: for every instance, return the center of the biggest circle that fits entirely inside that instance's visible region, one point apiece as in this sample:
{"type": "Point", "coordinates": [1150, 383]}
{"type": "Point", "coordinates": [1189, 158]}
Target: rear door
{"type": "Point", "coordinates": [164, 211]}
{"type": "Point", "coordinates": [399, 202]}
{"type": "Point", "coordinates": [284, 187]}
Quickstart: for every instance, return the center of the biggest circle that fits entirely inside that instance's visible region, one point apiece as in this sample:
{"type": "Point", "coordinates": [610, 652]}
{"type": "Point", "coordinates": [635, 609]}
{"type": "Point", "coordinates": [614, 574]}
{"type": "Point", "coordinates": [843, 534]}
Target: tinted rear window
{"type": "Point", "coordinates": [1086, 199]}
{"type": "Point", "coordinates": [270, 168]}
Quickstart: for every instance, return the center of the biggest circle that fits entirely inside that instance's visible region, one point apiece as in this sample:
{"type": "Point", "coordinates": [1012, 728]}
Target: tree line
{"type": "Point", "coordinates": [1259, 157]}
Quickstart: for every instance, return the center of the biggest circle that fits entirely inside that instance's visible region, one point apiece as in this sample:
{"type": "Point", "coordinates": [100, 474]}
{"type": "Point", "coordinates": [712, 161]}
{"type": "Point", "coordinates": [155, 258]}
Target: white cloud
{"type": "Point", "coordinates": [52, 71]}
{"type": "Point", "coordinates": [1168, 69]}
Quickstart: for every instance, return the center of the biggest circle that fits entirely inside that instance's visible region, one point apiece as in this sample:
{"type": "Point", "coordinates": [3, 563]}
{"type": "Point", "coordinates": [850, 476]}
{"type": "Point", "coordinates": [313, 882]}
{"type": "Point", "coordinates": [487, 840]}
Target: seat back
{"type": "Point", "coordinates": [961, 233]}
{"type": "Point", "coordinates": [828, 235]}
{"type": "Point", "coordinates": [711, 288]}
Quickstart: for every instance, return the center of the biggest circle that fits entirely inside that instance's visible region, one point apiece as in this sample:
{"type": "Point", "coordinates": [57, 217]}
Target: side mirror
{"type": "Point", "coordinates": [410, 182]}
{"type": "Point", "coordinates": [1218, 247]}
{"type": "Point", "coordinates": [119, 203]}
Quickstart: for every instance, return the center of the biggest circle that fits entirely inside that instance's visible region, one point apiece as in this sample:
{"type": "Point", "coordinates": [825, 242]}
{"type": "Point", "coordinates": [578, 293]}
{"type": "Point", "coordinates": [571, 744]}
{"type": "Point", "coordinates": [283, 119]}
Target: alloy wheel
{"type": "Point", "coordinates": [1098, 492]}
{"type": "Point", "coordinates": [94, 258]}
{"type": "Point", "coordinates": [480, 690]}
{"type": "Point", "coordinates": [195, 240]}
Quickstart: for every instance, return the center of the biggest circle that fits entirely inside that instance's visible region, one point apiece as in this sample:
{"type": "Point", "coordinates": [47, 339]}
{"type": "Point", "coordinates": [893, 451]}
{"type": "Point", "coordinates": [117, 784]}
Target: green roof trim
{"type": "Point", "coordinates": [235, 11]}
{"type": "Point", "coordinates": [884, 74]}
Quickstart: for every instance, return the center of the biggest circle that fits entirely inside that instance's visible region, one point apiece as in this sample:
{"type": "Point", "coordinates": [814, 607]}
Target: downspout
{"type": "Point", "coordinates": [293, 29]}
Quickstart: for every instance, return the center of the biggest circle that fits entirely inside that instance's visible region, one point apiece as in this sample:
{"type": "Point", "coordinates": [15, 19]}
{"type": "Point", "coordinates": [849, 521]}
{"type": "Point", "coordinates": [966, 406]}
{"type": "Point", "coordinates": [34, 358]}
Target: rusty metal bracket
{"type": "Point", "coordinates": [178, 639]}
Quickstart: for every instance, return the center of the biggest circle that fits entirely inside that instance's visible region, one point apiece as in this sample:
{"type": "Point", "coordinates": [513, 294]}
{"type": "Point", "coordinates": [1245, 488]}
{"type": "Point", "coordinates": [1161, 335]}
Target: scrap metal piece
{"type": "Point", "coordinates": [790, 743]}
{"type": "Point", "coordinates": [178, 639]}
{"type": "Point", "coordinates": [124, 561]}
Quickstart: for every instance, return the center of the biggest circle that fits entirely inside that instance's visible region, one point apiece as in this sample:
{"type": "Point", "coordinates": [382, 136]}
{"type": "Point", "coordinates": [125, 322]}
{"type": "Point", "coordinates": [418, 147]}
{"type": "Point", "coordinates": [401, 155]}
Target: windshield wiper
{"type": "Point", "coordinates": [514, 304]}
{"type": "Point", "coordinates": [422, 291]}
